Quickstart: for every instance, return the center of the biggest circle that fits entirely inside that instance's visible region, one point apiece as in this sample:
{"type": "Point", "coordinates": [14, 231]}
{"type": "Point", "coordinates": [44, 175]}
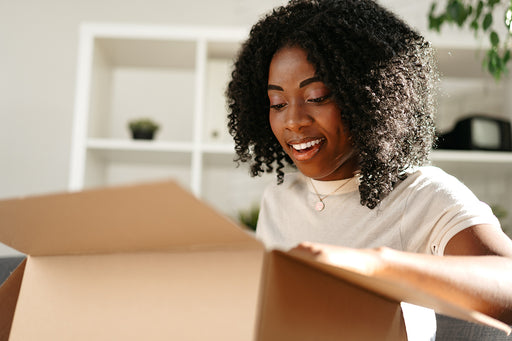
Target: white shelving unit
{"type": "Point", "coordinates": [177, 76]}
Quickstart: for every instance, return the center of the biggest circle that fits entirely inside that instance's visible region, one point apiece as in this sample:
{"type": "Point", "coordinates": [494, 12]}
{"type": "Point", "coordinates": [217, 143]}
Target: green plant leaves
{"type": "Point", "coordinates": [479, 9]}
{"type": "Point", "coordinates": [143, 124]}
{"type": "Point", "coordinates": [506, 56]}
{"type": "Point", "coordinates": [457, 12]}
{"type": "Point", "coordinates": [249, 217]}
{"type": "Point", "coordinates": [487, 21]}
{"type": "Point", "coordinates": [494, 38]}
{"type": "Point", "coordinates": [479, 16]}
{"type": "Point", "coordinates": [477, 13]}
{"type": "Point", "coordinates": [435, 22]}
{"type": "Point", "coordinates": [495, 62]}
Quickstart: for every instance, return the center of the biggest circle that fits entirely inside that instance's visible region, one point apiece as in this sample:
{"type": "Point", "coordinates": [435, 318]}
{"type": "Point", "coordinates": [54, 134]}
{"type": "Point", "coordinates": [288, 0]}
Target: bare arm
{"type": "Point", "coordinates": [476, 271]}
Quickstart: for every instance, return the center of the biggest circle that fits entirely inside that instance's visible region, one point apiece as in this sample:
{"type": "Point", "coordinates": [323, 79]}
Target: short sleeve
{"type": "Point", "coordinates": [440, 206]}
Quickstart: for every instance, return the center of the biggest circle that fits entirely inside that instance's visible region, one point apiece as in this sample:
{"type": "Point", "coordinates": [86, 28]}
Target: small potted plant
{"type": "Point", "coordinates": [143, 128]}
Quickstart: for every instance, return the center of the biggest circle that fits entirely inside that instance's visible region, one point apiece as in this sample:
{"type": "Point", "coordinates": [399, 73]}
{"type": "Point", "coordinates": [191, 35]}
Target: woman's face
{"type": "Point", "coordinates": [306, 120]}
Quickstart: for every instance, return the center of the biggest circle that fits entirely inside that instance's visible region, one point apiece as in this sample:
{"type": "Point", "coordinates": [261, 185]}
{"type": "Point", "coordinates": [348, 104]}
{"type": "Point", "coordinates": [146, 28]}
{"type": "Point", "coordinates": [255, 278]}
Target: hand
{"type": "Point", "coordinates": [364, 261]}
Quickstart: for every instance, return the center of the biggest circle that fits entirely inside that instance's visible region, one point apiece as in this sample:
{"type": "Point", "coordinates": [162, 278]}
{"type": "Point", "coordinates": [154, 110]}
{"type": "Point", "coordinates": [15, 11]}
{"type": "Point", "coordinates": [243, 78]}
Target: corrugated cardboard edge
{"type": "Point", "coordinates": [9, 292]}
{"type": "Point", "coordinates": [264, 283]}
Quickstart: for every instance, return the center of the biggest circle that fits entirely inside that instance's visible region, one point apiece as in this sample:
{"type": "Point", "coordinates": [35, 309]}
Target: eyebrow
{"type": "Point", "coordinates": [309, 81]}
{"type": "Point", "coordinates": [301, 84]}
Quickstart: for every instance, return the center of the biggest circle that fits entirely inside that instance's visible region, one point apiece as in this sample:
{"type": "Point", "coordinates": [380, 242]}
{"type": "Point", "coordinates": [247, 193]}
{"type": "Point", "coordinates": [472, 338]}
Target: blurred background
{"type": "Point", "coordinates": [74, 74]}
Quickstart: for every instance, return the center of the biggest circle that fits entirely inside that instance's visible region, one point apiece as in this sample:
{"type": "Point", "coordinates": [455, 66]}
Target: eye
{"type": "Point", "coordinates": [278, 106]}
{"type": "Point", "coordinates": [321, 99]}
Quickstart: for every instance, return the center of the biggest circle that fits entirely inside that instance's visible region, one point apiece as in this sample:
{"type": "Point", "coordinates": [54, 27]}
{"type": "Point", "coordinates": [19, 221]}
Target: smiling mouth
{"type": "Point", "coordinates": [305, 150]}
{"type": "Point", "coordinates": [303, 146]}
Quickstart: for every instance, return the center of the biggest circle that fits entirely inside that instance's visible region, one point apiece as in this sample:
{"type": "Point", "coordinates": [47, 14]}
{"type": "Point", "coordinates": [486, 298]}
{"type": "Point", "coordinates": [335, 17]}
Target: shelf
{"type": "Point", "coordinates": [157, 146]}
{"type": "Point", "coordinates": [139, 145]}
{"type": "Point", "coordinates": [149, 152]}
{"type": "Point", "coordinates": [471, 156]}
{"type": "Point", "coordinates": [159, 152]}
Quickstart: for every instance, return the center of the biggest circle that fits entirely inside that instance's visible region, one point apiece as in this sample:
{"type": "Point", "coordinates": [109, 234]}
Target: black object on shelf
{"type": "Point", "coordinates": [478, 132]}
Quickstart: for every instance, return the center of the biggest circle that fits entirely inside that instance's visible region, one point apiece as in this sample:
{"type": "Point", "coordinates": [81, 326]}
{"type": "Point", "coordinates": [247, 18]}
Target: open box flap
{"type": "Point", "coordinates": [299, 301]}
{"type": "Point", "coordinates": [148, 217]}
{"type": "Point", "coordinates": [208, 294]}
{"type": "Point", "coordinates": [399, 291]}
{"type": "Point", "coordinates": [9, 291]}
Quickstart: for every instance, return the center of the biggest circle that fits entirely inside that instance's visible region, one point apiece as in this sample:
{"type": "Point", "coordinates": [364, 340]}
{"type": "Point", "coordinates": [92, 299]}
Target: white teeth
{"type": "Point", "coordinates": [301, 146]}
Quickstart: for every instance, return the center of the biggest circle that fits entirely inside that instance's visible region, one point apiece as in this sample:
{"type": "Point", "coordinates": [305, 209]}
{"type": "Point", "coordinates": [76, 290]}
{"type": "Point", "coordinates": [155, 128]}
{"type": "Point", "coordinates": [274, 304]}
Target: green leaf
{"type": "Point", "coordinates": [456, 12]}
{"type": "Point", "coordinates": [495, 64]}
{"type": "Point", "coordinates": [435, 23]}
{"type": "Point", "coordinates": [479, 9]}
{"type": "Point", "coordinates": [474, 26]}
{"type": "Point", "coordinates": [433, 7]}
{"type": "Point", "coordinates": [487, 21]}
{"type": "Point", "coordinates": [495, 40]}
{"type": "Point", "coordinates": [506, 57]}
{"type": "Point", "coordinates": [452, 9]}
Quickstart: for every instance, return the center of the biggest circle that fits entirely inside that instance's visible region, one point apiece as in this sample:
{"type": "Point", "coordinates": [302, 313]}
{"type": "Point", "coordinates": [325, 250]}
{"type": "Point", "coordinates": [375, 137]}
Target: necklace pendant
{"type": "Point", "coordinates": [319, 206]}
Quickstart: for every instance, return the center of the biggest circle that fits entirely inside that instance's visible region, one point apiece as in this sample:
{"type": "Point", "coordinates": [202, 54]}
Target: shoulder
{"type": "Point", "coordinates": [433, 181]}
{"type": "Point", "coordinates": [429, 175]}
{"type": "Point", "coordinates": [431, 193]}
{"type": "Point", "coordinates": [438, 206]}
{"type": "Point", "coordinates": [435, 194]}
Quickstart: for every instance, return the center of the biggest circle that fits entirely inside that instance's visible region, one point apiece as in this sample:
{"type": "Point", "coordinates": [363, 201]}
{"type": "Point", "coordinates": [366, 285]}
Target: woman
{"type": "Point", "coordinates": [344, 91]}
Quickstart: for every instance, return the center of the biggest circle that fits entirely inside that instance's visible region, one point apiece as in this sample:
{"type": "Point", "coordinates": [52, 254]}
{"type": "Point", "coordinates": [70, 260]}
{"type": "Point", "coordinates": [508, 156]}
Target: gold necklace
{"type": "Point", "coordinates": [320, 205]}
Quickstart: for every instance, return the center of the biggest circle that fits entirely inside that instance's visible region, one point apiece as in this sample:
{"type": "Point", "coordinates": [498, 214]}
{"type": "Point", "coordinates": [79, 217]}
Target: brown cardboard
{"type": "Point", "coordinates": [398, 290]}
{"type": "Point", "coordinates": [130, 263]}
{"type": "Point", "coordinates": [302, 302]}
{"type": "Point", "coordinates": [150, 217]}
{"type": "Point", "coordinates": [148, 296]}
{"type": "Point", "coordinates": [151, 262]}
{"type": "Point", "coordinates": [8, 297]}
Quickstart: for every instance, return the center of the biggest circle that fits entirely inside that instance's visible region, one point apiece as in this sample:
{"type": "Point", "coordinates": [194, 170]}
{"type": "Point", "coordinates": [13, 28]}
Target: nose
{"type": "Point", "coordinates": [297, 117]}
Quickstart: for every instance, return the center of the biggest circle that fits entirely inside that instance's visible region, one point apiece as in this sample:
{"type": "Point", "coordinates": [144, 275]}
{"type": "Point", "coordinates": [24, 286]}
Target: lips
{"type": "Point", "coordinates": [306, 149]}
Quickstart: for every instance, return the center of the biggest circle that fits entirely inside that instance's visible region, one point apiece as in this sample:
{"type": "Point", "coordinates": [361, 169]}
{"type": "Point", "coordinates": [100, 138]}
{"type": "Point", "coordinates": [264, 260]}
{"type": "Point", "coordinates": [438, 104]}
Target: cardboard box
{"type": "Point", "coordinates": [151, 262]}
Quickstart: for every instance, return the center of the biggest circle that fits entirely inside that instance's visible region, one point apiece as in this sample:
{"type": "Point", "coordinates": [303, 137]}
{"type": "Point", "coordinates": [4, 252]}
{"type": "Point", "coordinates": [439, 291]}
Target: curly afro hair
{"type": "Point", "coordinates": [381, 74]}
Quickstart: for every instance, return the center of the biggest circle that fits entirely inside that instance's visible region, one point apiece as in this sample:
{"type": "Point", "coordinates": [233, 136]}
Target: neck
{"type": "Point", "coordinates": [325, 187]}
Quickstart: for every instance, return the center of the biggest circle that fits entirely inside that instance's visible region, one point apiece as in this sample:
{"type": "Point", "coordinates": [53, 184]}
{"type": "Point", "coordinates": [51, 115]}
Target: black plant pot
{"type": "Point", "coordinates": [143, 134]}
